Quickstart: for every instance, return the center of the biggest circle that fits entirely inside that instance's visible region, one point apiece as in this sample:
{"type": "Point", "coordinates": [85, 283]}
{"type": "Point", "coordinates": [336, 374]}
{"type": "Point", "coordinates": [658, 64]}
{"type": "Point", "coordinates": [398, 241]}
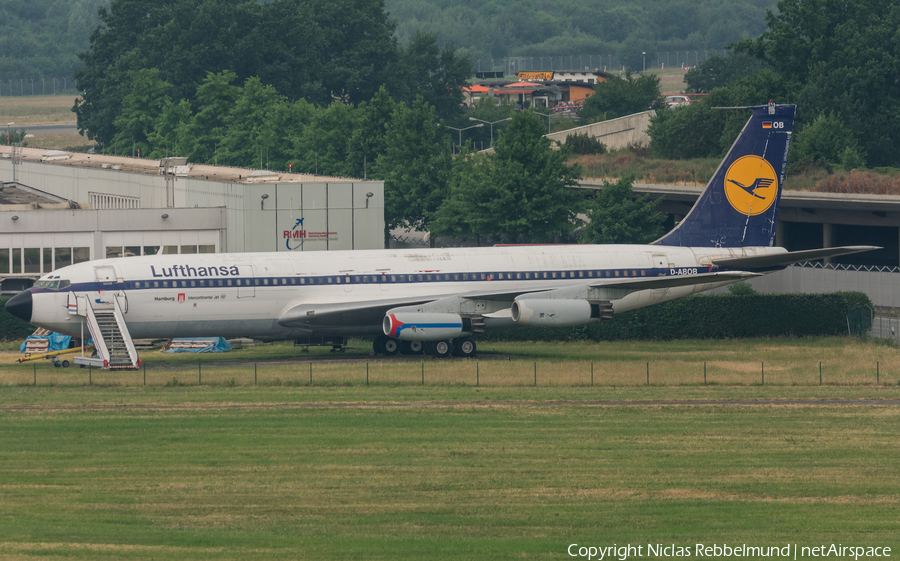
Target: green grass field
{"type": "Point", "coordinates": [397, 470]}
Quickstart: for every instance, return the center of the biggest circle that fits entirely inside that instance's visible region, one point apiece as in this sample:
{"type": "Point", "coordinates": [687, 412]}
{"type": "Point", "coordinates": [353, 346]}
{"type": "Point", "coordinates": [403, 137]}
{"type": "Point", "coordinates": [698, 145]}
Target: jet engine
{"type": "Point", "coordinates": [551, 312]}
{"type": "Point", "coordinates": [422, 327]}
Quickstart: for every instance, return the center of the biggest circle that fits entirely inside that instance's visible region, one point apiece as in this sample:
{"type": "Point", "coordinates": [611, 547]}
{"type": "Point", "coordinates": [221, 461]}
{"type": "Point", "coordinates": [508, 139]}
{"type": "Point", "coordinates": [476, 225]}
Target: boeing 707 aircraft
{"type": "Point", "coordinates": [433, 300]}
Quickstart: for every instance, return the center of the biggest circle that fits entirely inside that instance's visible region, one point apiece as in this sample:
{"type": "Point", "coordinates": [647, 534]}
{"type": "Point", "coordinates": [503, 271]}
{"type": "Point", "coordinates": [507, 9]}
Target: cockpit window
{"type": "Point", "coordinates": [54, 283]}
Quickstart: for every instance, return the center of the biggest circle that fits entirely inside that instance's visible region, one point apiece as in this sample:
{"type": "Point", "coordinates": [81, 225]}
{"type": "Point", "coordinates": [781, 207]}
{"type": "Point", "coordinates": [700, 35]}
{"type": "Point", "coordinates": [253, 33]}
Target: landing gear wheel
{"type": "Point", "coordinates": [439, 349]}
{"type": "Point", "coordinates": [391, 347]}
{"type": "Point", "coordinates": [65, 363]}
{"type": "Point", "coordinates": [464, 347]}
{"type": "Point", "coordinates": [412, 347]}
{"type": "Point", "coordinates": [378, 344]}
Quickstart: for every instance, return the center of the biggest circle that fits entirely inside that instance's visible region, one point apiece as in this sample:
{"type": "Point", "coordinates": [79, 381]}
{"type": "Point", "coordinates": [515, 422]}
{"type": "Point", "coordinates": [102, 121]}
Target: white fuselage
{"type": "Point", "coordinates": [244, 295]}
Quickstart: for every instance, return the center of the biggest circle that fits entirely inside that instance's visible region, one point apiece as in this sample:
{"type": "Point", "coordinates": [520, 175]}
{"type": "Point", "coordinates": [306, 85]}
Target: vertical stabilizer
{"type": "Point", "coordinates": [739, 206]}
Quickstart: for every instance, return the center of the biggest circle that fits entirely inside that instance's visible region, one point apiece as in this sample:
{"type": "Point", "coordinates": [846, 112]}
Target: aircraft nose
{"type": "Point", "coordinates": [20, 305]}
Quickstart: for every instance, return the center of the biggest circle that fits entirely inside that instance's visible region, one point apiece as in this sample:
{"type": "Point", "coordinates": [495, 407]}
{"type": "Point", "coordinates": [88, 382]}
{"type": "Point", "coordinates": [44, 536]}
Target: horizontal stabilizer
{"type": "Point", "coordinates": [782, 259]}
{"type": "Point", "coordinates": [673, 281]}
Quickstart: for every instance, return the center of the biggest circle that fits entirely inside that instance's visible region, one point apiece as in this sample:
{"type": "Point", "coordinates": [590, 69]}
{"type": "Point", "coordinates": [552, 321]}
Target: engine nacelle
{"type": "Point", "coordinates": [551, 312]}
{"type": "Point", "coordinates": [422, 327]}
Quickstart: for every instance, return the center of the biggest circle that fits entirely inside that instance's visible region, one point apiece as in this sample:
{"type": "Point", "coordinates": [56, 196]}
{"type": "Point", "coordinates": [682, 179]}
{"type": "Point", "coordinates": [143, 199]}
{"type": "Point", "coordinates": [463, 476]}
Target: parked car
{"type": "Point", "coordinates": [677, 100]}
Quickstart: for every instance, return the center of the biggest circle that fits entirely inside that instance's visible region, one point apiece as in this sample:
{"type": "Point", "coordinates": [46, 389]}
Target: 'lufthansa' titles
{"type": "Point", "coordinates": [188, 271]}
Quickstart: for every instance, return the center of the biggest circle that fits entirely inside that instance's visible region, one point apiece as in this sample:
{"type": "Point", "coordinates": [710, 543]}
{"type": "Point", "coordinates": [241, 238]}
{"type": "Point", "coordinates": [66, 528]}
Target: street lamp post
{"type": "Point", "coordinates": [548, 120]}
{"type": "Point", "coordinates": [465, 129]}
{"type": "Point", "coordinates": [492, 126]}
{"type": "Point", "coordinates": [644, 61]}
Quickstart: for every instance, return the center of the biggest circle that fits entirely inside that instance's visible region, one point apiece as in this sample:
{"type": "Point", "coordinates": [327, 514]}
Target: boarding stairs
{"type": "Point", "coordinates": [104, 315]}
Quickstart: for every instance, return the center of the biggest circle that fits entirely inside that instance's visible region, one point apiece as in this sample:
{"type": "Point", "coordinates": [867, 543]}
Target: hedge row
{"type": "Point", "coordinates": [11, 327]}
{"type": "Point", "coordinates": [695, 317]}
{"type": "Point", "coordinates": [711, 317]}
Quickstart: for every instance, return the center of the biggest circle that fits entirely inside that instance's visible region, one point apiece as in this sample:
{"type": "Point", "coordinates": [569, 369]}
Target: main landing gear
{"type": "Point", "coordinates": [461, 347]}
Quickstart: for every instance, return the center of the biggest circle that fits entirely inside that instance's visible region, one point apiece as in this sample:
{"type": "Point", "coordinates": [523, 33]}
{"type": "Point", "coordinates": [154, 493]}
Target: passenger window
{"type": "Point", "coordinates": [293, 281]}
{"type": "Point", "coordinates": [165, 284]}
{"type": "Point", "coordinates": [203, 283]}
{"type": "Point", "coordinates": [155, 284]}
{"type": "Point", "coordinates": [193, 283]}
{"type": "Point", "coordinates": [229, 282]}
{"type": "Point", "coordinates": [266, 282]}
{"type": "Point", "coordinates": [220, 282]}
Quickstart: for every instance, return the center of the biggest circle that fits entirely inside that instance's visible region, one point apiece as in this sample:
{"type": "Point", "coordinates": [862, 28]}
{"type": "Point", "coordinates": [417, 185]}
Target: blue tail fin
{"type": "Point", "coordinates": [739, 206]}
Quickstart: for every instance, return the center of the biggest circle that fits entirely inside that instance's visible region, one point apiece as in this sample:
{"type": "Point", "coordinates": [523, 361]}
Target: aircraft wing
{"type": "Point", "coordinates": [635, 284]}
{"type": "Point", "coordinates": [371, 312]}
{"type": "Point", "coordinates": [782, 259]}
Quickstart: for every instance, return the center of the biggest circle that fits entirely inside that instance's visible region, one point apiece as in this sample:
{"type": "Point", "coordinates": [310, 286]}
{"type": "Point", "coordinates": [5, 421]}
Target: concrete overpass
{"type": "Point", "coordinates": [807, 220]}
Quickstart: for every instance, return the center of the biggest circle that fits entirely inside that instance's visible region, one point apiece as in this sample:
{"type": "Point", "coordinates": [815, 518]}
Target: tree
{"type": "Point", "coordinates": [719, 71]}
{"type": "Point", "coordinates": [698, 131]}
{"type": "Point", "coordinates": [521, 190]}
{"type": "Point", "coordinates": [147, 98]}
{"type": "Point", "coordinates": [368, 140]}
{"type": "Point", "coordinates": [415, 166]}
{"type": "Point", "coordinates": [213, 101]}
{"type": "Point", "coordinates": [323, 146]}
{"type": "Point", "coordinates": [437, 74]}
{"type": "Point", "coordinates": [824, 143]}
{"type": "Point", "coordinates": [617, 97]}
{"type": "Point", "coordinates": [253, 138]}
{"type": "Point", "coordinates": [318, 50]}
{"type": "Point", "coordinates": [167, 130]}
{"type": "Point", "coordinates": [616, 216]}
{"type": "Point", "coordinates": [840, 57]}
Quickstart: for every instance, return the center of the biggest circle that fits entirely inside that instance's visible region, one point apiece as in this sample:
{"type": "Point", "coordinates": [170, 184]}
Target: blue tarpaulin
{"type": "Point", "coordinates": [58, 342]}
{"type": "Point", "coordinates": [217, 345]}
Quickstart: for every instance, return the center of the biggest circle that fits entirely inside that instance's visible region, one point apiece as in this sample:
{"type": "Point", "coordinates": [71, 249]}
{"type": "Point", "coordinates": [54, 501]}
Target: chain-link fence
{"type": "Point", "coordinates": [609, 62]}
{"type": "Point", "coordinates": [19, 87]}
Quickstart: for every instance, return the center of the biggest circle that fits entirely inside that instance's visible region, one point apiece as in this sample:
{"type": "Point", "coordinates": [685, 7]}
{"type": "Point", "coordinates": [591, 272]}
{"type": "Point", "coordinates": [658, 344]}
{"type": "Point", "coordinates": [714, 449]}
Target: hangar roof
{"type": "Point", "coordinates": [145, 165]}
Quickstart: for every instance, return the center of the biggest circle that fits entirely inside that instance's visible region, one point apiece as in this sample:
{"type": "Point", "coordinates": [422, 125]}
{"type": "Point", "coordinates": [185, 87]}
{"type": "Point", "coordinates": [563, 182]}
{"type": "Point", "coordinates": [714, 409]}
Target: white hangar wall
{"type": "Point", "coordinates": [336, 213]}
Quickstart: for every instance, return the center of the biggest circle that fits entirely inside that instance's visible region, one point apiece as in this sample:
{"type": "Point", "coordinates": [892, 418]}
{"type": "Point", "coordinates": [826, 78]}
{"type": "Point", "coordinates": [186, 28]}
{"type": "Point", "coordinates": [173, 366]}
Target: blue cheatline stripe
{"type": "Point", "coordinates": [424, 325]}
{"type": "Point", "coordinates": [344, 280]}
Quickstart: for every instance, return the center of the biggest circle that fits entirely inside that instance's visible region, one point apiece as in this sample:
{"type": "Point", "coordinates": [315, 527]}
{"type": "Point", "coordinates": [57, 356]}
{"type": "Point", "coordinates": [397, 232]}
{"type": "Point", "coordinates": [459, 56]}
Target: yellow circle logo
{"type": "Point", "coordinates": [751, 185]}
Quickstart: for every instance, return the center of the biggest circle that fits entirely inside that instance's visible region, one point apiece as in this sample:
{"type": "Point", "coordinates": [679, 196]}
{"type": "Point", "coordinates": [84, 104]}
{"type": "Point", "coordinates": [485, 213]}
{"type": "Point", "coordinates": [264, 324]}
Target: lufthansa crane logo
{"type": "Point", "coordinates": [751, 185]}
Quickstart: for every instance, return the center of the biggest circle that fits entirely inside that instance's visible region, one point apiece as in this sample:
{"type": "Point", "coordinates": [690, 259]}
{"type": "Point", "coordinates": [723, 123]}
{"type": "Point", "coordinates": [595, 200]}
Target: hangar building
{"type": "Point", "coordinates": [59, 208]}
